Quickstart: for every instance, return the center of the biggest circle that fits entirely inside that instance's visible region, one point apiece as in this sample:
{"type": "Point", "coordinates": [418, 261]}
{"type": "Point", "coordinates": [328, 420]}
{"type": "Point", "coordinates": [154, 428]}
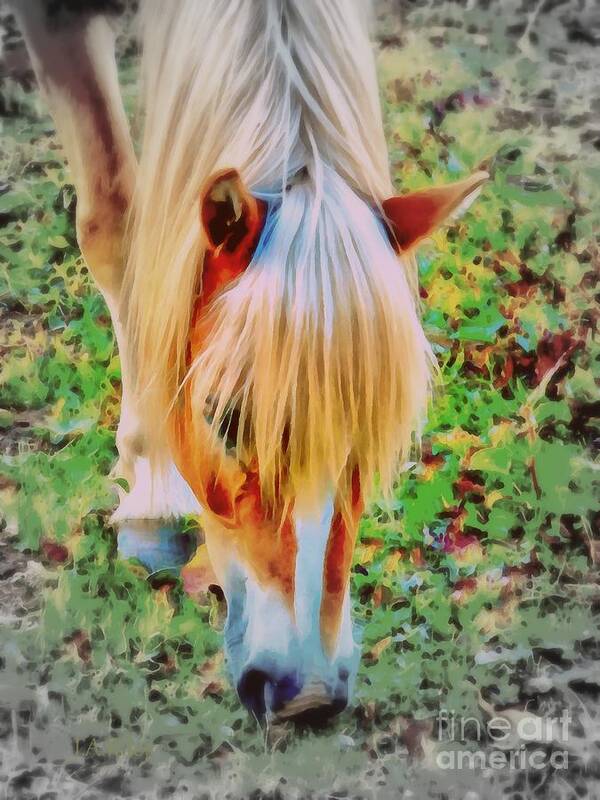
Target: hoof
{"type": "Point", "coordinates": [157, 544]}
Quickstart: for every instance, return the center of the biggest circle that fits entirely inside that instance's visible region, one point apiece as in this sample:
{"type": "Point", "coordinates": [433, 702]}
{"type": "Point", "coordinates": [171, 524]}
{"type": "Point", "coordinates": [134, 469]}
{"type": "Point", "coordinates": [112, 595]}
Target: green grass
{"type": "Point", "coordinates": [453, 578]}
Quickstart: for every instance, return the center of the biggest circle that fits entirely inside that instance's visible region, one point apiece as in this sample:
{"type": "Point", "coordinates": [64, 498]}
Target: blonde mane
{"type": "Point", "coordinates": [318, 346]}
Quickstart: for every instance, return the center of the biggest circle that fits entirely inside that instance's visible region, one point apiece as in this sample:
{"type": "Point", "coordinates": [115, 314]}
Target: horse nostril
{"type": "Point", "coordinates": [343, 674]}
{"type": "Point", "coordinates": [283, 690]}
{"type": "Point", "coordinates": [251, 690]}
{"type": "Point", "coordinates": [260, 691]}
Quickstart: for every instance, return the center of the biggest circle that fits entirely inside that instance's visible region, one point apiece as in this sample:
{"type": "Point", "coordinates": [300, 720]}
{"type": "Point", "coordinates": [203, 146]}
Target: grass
{"type": "Point", "coordinates": [478, 568]}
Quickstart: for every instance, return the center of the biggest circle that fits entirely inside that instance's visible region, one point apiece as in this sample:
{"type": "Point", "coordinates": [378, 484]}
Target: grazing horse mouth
{"type": "Point", "coordinates": [312, 704]}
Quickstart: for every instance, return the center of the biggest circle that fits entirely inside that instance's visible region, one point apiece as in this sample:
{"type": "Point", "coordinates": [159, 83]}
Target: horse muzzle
{"type": "Point", "coordinates": [280, 668]}
{"type": "Point", "coordinates": [284, 696]}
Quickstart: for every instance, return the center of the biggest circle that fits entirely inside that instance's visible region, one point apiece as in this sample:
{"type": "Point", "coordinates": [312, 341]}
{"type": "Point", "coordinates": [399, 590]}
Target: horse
{"type": "Point", "coordinates": [260, 273]}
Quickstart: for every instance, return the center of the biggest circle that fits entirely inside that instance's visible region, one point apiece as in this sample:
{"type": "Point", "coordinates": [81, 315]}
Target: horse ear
{"type": "Point", "coordinates": [230, 215]}
{"type": "Point", "coordinates": [412, 217]}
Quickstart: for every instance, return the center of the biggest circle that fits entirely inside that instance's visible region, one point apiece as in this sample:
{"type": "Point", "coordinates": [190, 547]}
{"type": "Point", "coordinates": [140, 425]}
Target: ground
{"type": "Point", "coordinates": [476, 590]}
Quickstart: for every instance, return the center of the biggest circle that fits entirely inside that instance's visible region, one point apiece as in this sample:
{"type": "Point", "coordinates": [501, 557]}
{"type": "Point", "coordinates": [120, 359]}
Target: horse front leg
{"type": "Point", "coordinates": [72, 51]}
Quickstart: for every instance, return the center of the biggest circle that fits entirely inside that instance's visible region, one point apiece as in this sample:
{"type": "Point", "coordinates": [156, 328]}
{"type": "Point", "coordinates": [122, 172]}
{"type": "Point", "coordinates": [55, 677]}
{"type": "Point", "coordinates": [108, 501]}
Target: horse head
{"type": "Point", "coordinates": [280, 521]}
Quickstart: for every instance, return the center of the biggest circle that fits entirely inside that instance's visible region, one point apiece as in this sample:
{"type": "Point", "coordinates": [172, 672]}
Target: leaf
{"type": "Point", "coordinates": [58, 241]}
{"type": "Point", "coordinates": [494, 459]}
{"type": "Point", "coordinates": [376, 651]}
